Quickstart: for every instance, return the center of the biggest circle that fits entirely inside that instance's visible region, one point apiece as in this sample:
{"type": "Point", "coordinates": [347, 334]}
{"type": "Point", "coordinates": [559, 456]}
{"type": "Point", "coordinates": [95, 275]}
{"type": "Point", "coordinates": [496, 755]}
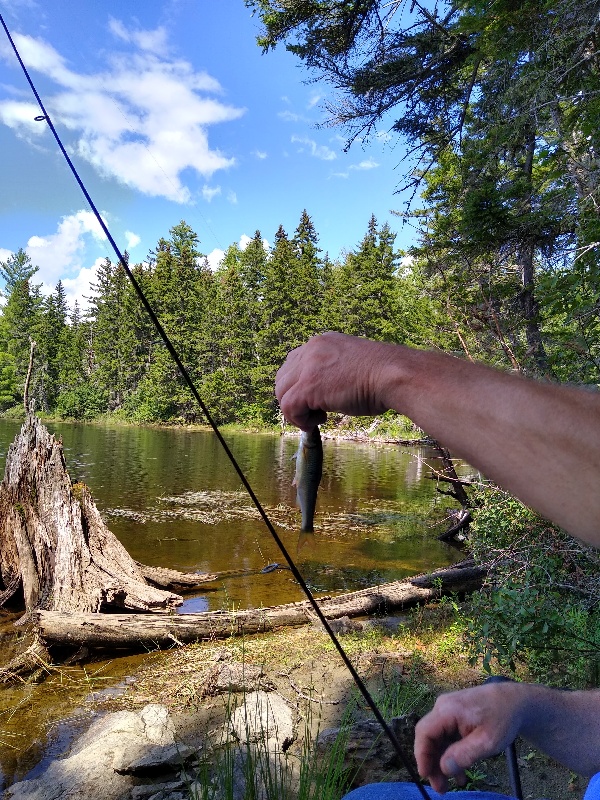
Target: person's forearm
{"type": "Point", "coordinates": [565, 726]}
{"type": "Point", "coordinates": [537, 440]}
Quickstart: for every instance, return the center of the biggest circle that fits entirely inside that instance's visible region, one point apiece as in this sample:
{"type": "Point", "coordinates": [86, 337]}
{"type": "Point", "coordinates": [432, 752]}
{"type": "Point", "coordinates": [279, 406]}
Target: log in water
{"type": "Point", "coordinates": [162, 630]}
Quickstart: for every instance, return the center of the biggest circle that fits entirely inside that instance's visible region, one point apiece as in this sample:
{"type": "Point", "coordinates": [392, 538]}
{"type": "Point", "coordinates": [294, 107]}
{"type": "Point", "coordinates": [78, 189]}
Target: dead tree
{"type": "Point", "coordinates": [56, 550]}
{"type": "Point", "coordinates": [462, 518]}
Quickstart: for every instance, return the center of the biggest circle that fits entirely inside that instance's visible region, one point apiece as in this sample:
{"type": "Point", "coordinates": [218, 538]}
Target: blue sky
{"type": "Point", "coordinates": [170, 111]}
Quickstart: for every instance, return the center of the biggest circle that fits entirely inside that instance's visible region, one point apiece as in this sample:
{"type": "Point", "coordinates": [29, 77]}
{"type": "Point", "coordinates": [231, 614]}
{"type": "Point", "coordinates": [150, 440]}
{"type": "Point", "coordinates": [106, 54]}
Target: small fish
{"type": "Point", "coordinates": [309, 468]}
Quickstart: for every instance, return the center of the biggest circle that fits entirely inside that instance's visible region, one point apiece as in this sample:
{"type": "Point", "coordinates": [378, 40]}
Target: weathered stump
{"type": "Point", "coordinates": [53, 542]}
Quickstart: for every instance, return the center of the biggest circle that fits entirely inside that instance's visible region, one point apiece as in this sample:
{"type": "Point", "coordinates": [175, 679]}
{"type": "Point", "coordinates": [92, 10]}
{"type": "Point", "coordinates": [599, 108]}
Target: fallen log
{"type": "Point", "coordinates": [463, 520]}
{"type": "Point", "coordinates": [152, 630]}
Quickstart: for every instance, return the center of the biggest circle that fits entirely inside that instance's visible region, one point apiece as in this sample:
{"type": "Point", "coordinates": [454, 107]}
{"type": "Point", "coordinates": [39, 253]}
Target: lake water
{"type": "Point", "coordinates": [173, 499]}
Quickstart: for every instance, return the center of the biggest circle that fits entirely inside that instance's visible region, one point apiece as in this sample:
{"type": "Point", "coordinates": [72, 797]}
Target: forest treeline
{"type": "Point", "coordinates": [234, 326]}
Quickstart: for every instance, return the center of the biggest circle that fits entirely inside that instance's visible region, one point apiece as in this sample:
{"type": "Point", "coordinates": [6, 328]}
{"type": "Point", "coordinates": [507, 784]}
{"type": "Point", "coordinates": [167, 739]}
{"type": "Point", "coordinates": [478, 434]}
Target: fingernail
{"type": "Point", "coordinates": [451, 767]}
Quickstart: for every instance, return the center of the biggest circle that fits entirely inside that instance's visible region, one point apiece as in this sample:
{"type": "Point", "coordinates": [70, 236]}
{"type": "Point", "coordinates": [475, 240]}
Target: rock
{"type": "Point", "coordinates": [147, 791]}
{"type": "Point", "coordinates": [263, 718]}
{"type": "Point", "coordinates": [101, 761]}
{"type": "Point", "coordinates": [158, 726]}
{"type": "Point", "coordinates": [158, 759]}
{"type": "Point", "coordinates": [342, 625]}
{"type": "Point", "coordinates": [388, 624]}
{"type": "Point", "coordinates": [368, 753]}
{"type": "Point", "coordinates": [233, 677]}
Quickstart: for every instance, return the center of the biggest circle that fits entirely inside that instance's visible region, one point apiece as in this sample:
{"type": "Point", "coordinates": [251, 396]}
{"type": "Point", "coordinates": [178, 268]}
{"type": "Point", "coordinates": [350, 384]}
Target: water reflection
{"type": "Point", "coordinates": [174, 500]}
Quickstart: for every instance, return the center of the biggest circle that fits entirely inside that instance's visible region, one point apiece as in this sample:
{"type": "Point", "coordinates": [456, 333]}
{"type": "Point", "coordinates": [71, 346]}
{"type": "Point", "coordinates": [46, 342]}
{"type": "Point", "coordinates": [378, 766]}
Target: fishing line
{"type": "Point", "coordinates": [190, 384]}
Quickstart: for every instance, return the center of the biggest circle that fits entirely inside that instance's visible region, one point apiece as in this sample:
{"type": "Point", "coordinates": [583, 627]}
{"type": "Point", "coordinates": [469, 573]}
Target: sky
{"type": "Point", "coordinates": [171, 112]}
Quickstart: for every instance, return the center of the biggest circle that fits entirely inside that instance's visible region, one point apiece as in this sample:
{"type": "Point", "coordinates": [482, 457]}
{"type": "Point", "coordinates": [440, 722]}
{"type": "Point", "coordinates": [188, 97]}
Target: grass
{"type": "Point", "coordinates": [253, 767]}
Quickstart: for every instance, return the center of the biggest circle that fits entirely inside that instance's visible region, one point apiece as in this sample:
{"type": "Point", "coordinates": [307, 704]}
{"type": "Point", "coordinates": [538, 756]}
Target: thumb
{"type": "Point", "coordinates": [451, 769]}
{"type": "Point", "coordinates": [463, 754]}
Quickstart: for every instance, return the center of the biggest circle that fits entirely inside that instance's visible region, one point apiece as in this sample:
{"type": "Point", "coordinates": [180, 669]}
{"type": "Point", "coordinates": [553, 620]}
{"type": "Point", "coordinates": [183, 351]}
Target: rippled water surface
{"type": "Point", "coordinates": [173, 499]}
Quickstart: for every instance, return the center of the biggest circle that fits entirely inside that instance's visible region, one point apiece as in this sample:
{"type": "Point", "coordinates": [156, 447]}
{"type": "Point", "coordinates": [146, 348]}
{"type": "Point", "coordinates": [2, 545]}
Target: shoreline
{"type": "Point", "coordinates": [333, 430]}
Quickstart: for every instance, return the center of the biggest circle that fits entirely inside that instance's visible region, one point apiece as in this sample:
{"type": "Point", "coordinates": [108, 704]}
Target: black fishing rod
{"type": "Point", "coordinates": [45, 117]}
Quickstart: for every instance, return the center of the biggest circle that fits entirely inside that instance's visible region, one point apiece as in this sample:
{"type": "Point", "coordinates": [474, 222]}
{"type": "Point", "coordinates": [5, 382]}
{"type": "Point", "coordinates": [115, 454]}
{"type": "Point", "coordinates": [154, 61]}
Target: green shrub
{"type": "Point", "coordinates": [83, 402]}
{"type": "Point", "coordinates": [539, 604]}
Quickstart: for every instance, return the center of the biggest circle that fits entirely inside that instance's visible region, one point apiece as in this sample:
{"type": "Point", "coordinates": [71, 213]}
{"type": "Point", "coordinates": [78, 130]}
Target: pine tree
{"type": "Point", "coordinates": [8, 378]}
{"type": "Point", "coordinates": [51, 340]}
{"type": "Point", "coordinates": [16, 269]}
{"type": "Point", "coordinates": [366, 287]}
{"type": "Point", "coordinates": [21, 316]}
{"type": "Point", "coordinates": [308, 279]}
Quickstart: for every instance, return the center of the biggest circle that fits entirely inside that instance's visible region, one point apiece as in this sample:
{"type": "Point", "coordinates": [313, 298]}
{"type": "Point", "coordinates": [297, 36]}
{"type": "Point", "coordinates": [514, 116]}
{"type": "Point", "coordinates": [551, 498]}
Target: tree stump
{"type": "Point", "coordinates": [53, 542]}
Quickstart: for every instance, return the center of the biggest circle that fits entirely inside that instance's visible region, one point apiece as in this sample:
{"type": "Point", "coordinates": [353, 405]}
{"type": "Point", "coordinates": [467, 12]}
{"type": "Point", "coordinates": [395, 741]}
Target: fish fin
{"type": "Point", "coordinates": [305, 538]}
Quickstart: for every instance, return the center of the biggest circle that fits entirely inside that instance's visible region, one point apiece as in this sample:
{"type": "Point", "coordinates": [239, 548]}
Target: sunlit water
{"type": "Point", "coordinates": [174, 500]}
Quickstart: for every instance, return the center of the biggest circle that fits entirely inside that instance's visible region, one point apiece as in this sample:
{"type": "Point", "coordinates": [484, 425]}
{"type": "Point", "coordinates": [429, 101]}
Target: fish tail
{"type": "Point", "coordinates": [306, 538]}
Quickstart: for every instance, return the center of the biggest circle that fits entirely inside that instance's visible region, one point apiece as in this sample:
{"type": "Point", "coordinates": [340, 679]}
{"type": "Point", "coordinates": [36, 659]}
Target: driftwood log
{"type": "Point", "coordinates": [151, 630]}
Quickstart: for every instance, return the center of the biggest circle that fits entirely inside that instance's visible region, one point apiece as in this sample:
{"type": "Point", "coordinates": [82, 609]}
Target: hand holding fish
{"type": "Point", "coordinates": [529, 437]}
{"type": "Point", "coordinates": [332, 372]}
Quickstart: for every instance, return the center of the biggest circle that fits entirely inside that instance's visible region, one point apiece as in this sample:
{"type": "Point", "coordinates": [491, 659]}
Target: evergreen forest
{"type": "Point", "coordinates": [234, 326]}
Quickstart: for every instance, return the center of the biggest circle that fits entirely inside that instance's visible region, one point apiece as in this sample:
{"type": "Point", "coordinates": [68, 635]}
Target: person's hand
{"type": "Point", "coordinates": [332, 372]}
{"type": "Point", "coordinates": [466, 726]}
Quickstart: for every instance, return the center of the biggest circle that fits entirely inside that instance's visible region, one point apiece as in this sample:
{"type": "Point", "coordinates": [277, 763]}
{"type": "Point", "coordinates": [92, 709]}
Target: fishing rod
{"type": "Point", "coordinates": [45, 117]}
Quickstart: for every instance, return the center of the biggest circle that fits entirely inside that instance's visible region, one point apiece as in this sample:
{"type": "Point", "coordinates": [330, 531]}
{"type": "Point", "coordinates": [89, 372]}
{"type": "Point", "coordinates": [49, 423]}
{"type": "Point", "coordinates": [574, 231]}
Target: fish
{"type": "Point", "coordinates": [309, 469]}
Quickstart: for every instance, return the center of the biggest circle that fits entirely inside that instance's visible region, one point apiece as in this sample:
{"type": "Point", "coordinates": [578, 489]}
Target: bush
{"type": "Point", "coordinates": [539, 605]}
{"type": "Point", "coordinates": [83, 402]}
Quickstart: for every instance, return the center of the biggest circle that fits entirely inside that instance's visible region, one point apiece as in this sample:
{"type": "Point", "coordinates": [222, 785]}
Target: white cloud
{"type": "Point", "coordinates": [132, 240]}
{"type": "Point", "coordinates": [143, 121]}
{"type": "Point", "coordinates": [290, 116]}
{"type": "Point", "coordinates": [320, 151]}
{"type": "Point", "coordinates": [260, 154]}
{"type": "Point", "coordinates": [232, 198]}
{"type": "Point", "coordinates": [406, 266]}
{"type": "Point", "coordinates": [21, 116]}
{"type": "Point", "coordinates": [314, 100]}
{"type": "Point", "coordinates": [215, 257]}
{"type": "Point", "coordinates": [155, 41]}
{"type": "Point", "coordinates": [60, 255]}
{"type": "Point", "coordinates": [368, 163]}
{"type": "Point", "coordinates": [208, 192]}
{"type": "Point", "coordinates": [78, 288]}
{"type": "Point", "coordinates": [4, 253]}
{"type": "Point", "coordinates": [245, 241]}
